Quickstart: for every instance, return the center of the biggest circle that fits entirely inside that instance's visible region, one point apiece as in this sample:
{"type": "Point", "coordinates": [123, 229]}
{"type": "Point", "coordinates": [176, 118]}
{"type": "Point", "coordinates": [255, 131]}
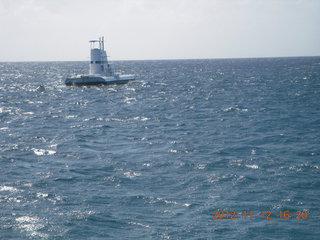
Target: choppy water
{"type": "Point", "coordinates": [153, 158]}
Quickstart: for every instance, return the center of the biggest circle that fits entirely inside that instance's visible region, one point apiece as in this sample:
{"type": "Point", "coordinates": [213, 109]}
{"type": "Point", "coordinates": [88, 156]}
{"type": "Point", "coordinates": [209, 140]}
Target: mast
{"type": "Point", "coordinates": [99, 61]}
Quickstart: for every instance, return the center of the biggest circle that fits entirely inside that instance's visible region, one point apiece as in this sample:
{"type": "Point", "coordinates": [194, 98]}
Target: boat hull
{"type": "Point", "coordinates": [90, 80]}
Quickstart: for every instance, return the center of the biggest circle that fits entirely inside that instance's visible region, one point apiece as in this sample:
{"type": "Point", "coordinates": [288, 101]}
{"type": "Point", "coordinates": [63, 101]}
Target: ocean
{"type": "Point", "coordinates": [192, 149]}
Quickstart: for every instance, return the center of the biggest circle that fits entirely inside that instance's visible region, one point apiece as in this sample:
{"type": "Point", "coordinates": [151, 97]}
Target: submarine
{"type": "Point", "coordinates": [101, 72]}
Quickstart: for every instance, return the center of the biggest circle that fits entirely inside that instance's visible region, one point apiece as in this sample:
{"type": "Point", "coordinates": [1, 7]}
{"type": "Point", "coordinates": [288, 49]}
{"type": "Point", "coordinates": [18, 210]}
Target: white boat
{"type": "Point", "coordinates": [100, 69]}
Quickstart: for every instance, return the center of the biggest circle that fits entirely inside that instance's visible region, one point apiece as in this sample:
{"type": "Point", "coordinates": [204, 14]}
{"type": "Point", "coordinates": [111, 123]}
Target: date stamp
{"type": "Point", "coordinates": [284, 214]}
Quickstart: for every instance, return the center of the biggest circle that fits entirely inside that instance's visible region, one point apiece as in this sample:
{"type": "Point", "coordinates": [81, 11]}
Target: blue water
{"type": "Point", "coordinates": [154, 158]}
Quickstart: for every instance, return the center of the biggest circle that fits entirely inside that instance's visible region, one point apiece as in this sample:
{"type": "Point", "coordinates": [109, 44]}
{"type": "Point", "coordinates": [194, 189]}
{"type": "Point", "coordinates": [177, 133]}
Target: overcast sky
{"type": "Point", "coordinates": [50, 30]}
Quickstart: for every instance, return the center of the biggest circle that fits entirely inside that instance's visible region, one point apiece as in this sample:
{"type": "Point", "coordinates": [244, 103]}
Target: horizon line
{"type": "Point", "coordinates": [162, 59]}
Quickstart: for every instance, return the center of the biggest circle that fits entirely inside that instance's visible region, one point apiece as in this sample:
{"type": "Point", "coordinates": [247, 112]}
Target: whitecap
{"type": "Point", "coordinates": [5, 110]}
{"type": "Point", "coordinates": [141, 118]}
{"type": "Point", "coordinates": [165, 201]}
{"type": "Point", "coordinates": [78, 214]}
{"type": "Point", "coordinates": [129, 100]}
{"type": "Point", "coordinates": [27, 219]}
{"type": "Point", "coordinates": [12, 199]}
{"type": "Point", "coordinates": [28, 113]}
{"type": "Point", "coordinates": [117, 119]}
{"type": "Point", "coordinates": [253, 166]}
{"type": "Point", "coordinates": [132, 174]}
{"type": "Point", "coordinates": [32, 225]}
{"type": "Point", "coordinates": [42, 195]}
{"type": "Point", "coordinates": [235, 108]}
{"type": "Point", "coordinates": [236, 162]}
{"type": "Point", "coordinates": [213, 197]}
{"type": "Point", "coordinates": [112, 90]}
{"type": "Point", "coordinates": [139, 224]}
{"type": "Point", "coordinates": [172, 202]}
{"type": "Point", "coordinates": [27, 184]}
{"type": "Point", "coordinates": [240, 178]}
{"type": "Point", "coordinates": [169, 201]}
{"type": "Point", "coordinates": [55, 198]}
{"type": "Point", "coordinates": [201, 166]}
{"type": "Point", "coordinates": [8, 189]}
{"type": "Point", "coordinates": [131, 89]}
{"type": "Point", "coordinates": [173, 150]}
{"type": "Point", "coordinates": [70, 116]}
{"type": "Point", "coordinates": [41, 152]}
{"type": "Point", "coordinates": [228, 109]}
{"type": "Point", "coordinates": [214, 178]}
